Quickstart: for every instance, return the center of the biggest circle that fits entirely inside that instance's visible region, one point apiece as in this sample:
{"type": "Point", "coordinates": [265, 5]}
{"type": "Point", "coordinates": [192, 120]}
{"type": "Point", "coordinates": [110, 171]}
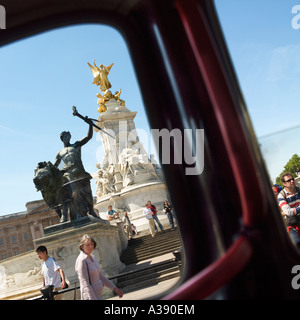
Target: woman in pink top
{"type": "Point", "coordinates": [90, 277]}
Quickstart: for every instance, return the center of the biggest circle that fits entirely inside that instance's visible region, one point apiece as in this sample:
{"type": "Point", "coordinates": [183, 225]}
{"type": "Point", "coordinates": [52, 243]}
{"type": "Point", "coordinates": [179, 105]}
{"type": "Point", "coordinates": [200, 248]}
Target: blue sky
{"type": "Point", "coordinates": [43, 76]}
{"type": "Point", "coordinates": [265, 50]}
{"type": "Point", "coordinates": [41, 79]}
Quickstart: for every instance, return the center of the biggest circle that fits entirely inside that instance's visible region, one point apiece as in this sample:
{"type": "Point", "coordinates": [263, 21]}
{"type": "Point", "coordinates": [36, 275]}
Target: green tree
{"type": "Point", "coordinates": [291, 167]}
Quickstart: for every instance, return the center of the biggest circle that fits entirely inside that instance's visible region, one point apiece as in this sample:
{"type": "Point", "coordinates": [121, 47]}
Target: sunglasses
{"type": "Point", "coordinates": [292, 179]}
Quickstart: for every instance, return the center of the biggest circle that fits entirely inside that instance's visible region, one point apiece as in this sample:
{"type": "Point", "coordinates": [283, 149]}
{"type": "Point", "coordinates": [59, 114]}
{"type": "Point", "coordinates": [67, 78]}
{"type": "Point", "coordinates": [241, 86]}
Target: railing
{"type": "Point", "coordinates": [178, 258]}
{"type": "Point", "coordinates": [52, 294]}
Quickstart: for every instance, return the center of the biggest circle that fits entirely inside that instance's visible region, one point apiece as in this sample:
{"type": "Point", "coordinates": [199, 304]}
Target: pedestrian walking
{"type": "Point", "coordinates": [52, 272]}
{"type": "Point", "coordinates": [89, 274]}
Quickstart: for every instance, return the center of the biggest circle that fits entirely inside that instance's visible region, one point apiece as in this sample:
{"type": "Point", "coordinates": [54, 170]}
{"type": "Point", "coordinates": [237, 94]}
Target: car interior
{"type": "Point", "coordinates": [234, 240]}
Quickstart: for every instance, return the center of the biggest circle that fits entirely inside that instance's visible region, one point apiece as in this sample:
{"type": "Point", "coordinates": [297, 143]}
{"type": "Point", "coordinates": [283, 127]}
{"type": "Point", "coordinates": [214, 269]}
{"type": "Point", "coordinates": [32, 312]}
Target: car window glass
{"type": "Point", "coordinates": [263, 41]}
{"type": "Point", "coordinates": [42, 78]}
{"type": "Point", "coordinates": [266, 59]}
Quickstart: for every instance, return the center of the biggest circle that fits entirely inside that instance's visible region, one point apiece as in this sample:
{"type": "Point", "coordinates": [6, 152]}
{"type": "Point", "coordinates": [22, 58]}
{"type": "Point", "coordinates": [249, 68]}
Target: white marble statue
{"type": "Point", "coordinates": [104, 182]}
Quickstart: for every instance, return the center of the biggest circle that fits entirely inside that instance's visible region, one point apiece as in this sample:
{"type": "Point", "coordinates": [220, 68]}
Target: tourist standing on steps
{"type": "Point", "coordinates": [134, 231]}
{"type": "Point", "coordinates": [148, 214]}
{"type": "Point", "coordinates": [127, 225]}
{"type": "Point", "coordinates": [154, 215]}
{"type": "Point", "coordinates": [169, 213]}
{"type": "Point", "coordinates": [90, 277]}
{"type": "Point", "coordinates": [52, 272]}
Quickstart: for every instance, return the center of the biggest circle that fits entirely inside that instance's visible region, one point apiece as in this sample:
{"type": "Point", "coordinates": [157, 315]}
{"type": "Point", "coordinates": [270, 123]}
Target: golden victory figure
{"type": "Point", "coordinates": [101, 79]}
{"type": "Point", "coordinates": [100, 75]}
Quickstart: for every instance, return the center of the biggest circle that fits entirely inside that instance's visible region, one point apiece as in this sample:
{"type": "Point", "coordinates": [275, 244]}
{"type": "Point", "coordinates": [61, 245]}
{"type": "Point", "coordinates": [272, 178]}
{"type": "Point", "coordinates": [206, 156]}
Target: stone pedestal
{"type": "Point", "coordinates": [62, 244]}
{"type": "Point", "coordinates": [21, 278]}
{"type": "Point", "coordinates": [127, 177]}
{"type": "Point", "coordinates": [133, 199]}
{"type": "Point", "coordinates": [73, 224]}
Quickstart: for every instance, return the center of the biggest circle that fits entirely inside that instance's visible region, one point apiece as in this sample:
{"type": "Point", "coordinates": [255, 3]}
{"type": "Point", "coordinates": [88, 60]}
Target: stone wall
{"type": "Point", "coordinates": [133, 200]}
{"type": "Point", "coordinates": [20, 276]}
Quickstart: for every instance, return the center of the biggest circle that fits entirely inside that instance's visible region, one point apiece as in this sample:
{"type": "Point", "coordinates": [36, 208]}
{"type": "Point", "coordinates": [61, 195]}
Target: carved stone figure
{"type": "Point", "coordinates": [156, 167]}
{"type": "Point", "coordinates": [104, 182]}
{"type": "Point", "coordinates": [126, 169]}
{"type": "Point", "coordinates": [133, 163]}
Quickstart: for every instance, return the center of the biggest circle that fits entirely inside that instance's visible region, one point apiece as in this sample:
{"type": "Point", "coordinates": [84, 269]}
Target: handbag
{"type": "Point", "coordinates": [47, 292]}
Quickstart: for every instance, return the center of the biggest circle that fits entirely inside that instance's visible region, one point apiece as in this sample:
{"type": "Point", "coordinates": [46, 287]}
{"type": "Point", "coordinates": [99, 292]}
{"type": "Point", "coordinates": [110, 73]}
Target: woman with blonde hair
{"type": "Point", "coordinates": [89, 274]}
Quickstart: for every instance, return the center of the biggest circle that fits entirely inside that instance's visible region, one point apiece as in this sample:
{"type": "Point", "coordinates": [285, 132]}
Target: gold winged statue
{"type": "Point", "coordinates": [100, 75]}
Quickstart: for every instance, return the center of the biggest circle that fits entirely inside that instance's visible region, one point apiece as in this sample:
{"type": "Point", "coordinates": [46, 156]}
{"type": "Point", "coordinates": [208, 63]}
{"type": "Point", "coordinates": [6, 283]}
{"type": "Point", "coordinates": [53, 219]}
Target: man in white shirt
{"type": "Point", "coordinates": [52, 272]}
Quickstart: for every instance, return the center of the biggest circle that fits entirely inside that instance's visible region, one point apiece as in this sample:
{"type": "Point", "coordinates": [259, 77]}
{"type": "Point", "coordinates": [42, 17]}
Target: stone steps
{"type": "Point", "coordinates": [140, 251]}
{"type": "Point", "coordinates": [127, 277]}
{"type": "Point", "coordinates": [151, 275]}
{"type": "Point", "coordinates": [148, 247]}
{"type": "Point", "coordinates": [148, 254]}
{"type": "Point", "coordinates": [150, 281]}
